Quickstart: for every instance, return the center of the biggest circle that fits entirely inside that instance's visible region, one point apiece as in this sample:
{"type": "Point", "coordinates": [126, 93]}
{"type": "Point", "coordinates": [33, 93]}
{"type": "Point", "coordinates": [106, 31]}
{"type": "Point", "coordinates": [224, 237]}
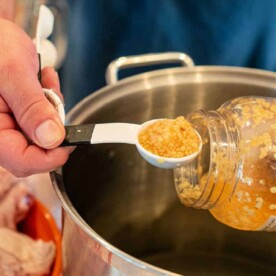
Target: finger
{"type": "Point", "coordinates": [22, 159]}
{"type": "Point", "coordinates": [33, 112]}
{"type": "Point", "coordinates": [50, 80]}
{"type": "Point", "coordinates": [6, 121]}
{"type": "Point", "coordinates": [4, 108]}
{"type": "Point", "coordinates": [21, 90]}
{"type": "Point", "coordinates": [16, 45]}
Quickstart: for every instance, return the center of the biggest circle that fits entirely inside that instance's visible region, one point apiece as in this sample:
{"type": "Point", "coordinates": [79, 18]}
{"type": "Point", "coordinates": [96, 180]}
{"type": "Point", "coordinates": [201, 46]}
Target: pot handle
{"type": "Point", "coordinates": [143, 60]}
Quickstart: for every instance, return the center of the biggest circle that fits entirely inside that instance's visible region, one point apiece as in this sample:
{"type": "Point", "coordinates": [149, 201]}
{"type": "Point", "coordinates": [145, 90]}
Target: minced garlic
{"type": "Point", "coordinates": [170, 138]}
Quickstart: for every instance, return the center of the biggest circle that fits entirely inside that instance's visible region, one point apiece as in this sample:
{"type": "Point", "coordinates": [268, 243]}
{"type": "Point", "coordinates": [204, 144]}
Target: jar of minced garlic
{"type": "Point", "coordinates": [234, 176]}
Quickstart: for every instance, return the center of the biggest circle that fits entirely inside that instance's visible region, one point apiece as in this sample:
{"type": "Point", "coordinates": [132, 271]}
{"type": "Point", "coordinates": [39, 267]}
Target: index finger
{"type": "Point", "coordinates": [22, 159]}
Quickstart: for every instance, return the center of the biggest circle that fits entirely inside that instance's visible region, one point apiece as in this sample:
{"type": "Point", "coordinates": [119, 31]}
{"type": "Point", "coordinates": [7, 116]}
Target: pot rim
{"type": "Point", "coordinates": [173, 76]}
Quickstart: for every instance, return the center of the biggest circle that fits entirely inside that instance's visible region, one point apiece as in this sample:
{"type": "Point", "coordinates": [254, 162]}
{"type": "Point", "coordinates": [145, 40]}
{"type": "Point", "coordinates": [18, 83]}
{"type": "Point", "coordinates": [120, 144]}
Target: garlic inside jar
{"type": "Point", "coordinates": [234, 177]}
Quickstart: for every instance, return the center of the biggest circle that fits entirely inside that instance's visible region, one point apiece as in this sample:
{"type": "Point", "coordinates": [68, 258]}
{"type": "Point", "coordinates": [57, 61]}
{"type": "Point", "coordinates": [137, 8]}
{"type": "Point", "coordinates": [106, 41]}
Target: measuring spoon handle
{"type": "Point", "coordinates": [78, 135]}
{"type": "Point", "coordinates": [100, 133]}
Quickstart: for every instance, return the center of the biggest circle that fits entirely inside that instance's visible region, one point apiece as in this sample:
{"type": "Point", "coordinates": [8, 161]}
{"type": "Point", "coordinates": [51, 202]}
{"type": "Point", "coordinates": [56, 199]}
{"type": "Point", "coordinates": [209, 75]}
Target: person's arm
{"type": "Point", "coordinates": [25, 109]}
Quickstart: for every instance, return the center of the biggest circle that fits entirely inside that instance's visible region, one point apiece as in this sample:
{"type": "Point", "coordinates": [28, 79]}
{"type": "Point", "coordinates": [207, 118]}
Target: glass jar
{"type": "Point", "coordinates": [234, 176]}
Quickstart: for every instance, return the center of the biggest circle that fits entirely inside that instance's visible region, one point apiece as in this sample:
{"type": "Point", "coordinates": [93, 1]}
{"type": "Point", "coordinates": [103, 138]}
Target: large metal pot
{"type": "Point", "coordinates": [122, 215]}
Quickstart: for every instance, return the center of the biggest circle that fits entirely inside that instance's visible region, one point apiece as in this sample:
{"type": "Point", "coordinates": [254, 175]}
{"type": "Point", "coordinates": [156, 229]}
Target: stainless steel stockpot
{"type": "Point", "coordinates": [121, 216]}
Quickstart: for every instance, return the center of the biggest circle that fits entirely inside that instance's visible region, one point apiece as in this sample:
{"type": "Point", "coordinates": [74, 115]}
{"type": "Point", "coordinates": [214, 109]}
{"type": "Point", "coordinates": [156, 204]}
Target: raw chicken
{"type": "Point", "coordinates": [9, 265]}
{"type": "Point", "coordinates": [15, 199]}
{"type": "Point", "coordinates": [20, 255]}
{"type": "Point", "coordinates": [35, 256]}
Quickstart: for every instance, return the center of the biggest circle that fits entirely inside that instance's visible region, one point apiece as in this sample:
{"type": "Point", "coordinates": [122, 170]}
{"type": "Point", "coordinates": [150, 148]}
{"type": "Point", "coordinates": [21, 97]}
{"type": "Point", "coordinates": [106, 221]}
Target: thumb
{"type": "Point", "coordinates": [33, 112]}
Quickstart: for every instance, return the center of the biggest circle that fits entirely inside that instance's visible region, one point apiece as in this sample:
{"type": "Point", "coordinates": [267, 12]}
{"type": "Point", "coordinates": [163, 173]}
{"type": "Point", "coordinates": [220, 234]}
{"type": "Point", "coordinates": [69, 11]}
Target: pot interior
{"type": "Point", "coordinates": [134, 205]}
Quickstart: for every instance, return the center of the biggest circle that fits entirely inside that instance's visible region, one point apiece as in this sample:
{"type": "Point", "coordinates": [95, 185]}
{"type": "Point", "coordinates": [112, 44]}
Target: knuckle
{"type": "Point", "coordinates": [15, 60]}
{"type": "Point", "coordinates": [11, 62]}
{"type": "Point", "coordinates": [30, 110]}
{"type": "Point", "coordinates": [10, 67]}
{"type": "Point", "coordinates": [21, 174]}
{"type": "Point", "coordinates": [19, 170]}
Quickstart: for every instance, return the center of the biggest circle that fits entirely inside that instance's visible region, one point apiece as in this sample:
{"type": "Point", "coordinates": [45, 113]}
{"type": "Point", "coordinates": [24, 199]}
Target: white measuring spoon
{"type": "Point", "coordinates": [47, 54]}
{"type": "Point", "coordinates": [115, 133]}
{"type": "Point", "coordinates": [122, 133]}
{"type": "Point", "coordinates": [46, 50]}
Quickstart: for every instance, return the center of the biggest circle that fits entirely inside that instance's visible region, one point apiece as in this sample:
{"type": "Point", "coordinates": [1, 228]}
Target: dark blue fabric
{"type": "Point", "coordinates": [212, 32]}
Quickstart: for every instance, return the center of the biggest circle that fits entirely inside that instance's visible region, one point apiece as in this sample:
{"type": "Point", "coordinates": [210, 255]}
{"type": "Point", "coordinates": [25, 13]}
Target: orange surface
{"type": "Point", "coordinates": [39, 224]}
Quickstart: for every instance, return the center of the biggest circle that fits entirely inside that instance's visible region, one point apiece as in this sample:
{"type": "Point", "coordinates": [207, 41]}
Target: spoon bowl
{"type": "Point", "coordinates": [161, 161]}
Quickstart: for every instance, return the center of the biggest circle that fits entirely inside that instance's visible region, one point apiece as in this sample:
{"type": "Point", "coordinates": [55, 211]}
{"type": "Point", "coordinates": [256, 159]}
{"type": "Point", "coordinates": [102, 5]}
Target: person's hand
{"type": "Point", "coordinates": [25, 109]}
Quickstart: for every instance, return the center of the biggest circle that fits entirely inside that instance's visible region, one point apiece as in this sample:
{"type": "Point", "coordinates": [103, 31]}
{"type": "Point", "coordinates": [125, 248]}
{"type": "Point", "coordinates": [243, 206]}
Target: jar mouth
{"type": "Point", "coordinates": [208, 180]}
{"type": "Point", "coordinates": [189, 180]}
